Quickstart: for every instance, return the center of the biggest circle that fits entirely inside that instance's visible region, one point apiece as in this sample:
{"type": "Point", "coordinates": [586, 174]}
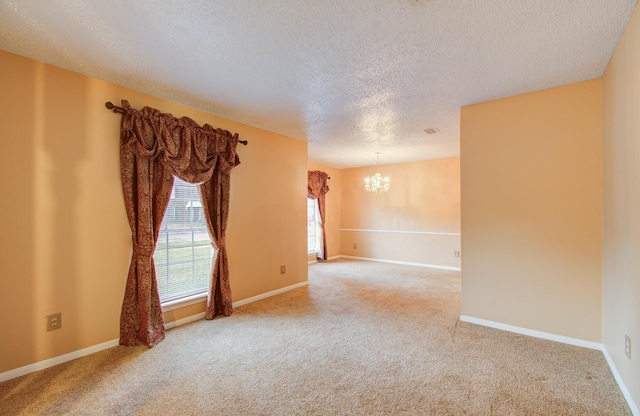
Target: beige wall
{"type": "Point", "coordinates": [424, 197]}
{"type": "Point", "coordinates": [333, 206]}
{"type": "Point", "coordinates": [65, 242]}
{"type": "Point", "coordinates": [621, 236]}
{"type": "Point", "coordinates": [531, 210]}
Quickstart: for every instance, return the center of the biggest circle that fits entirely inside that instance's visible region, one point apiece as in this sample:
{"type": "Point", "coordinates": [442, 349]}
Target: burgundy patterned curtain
{"type": "Point", "coordinates": [215, 205]}
{"type": "Point", "coordinates": [154, 147]}
{"type": "Point", "coordinates": [316, 189]}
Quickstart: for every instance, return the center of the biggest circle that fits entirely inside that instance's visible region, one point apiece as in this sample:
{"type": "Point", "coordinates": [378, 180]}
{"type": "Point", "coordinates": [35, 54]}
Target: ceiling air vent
{"type": "Point", "coordinates": [432, 130]}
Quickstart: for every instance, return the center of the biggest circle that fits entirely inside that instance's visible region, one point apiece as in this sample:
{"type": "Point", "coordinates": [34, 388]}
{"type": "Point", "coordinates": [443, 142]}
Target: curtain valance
{"type": "Point", "coordinates": [188, 150]}
{"type": "Point", "coordinates": [317, 184]}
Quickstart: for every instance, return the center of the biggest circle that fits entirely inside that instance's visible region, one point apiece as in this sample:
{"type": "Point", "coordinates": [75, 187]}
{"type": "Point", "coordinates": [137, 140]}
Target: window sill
{"type": "Point", "coordinates": [182, 302]}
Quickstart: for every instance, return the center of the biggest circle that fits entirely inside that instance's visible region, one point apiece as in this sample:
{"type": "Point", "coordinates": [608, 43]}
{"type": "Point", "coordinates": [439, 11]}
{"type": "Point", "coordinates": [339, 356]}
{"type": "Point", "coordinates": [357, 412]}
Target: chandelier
{"type": "Point", "coordinates": [376, 183]}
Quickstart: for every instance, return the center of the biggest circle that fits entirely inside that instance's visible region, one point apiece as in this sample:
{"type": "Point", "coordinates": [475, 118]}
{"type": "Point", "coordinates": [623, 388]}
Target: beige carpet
{"type": "Point", "coordinates": [363, 339]}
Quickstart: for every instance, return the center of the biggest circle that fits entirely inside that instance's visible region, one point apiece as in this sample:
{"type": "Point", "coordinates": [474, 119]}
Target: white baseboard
{"type": "Point", "coordinates": [406, 263]}
{"type": "Point", "coordinates": [564, 340]}
{"type": "Point", "coordinates": [532, 333]}
{"type": "Point", "coordinates": [41, 365]}
{"type": "Point", "coordinates": [268, 294]}
{"type": "Point", "coordinates": [623, 388]}
{"type": "Point", "coordinates": [334, 257]}
{"type": "Point", "coordinates": [312, 261]}
{"type": "Point", "coordinates": [184, 321]}
{"type": "Point", "coordinates": [51, 362]}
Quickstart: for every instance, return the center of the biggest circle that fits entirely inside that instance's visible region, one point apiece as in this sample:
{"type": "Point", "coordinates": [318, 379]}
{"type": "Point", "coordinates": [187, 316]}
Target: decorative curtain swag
{"type": "Point", "coordinates": [153, 148]}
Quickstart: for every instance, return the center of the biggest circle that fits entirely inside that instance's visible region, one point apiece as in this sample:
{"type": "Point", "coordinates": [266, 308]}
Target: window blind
{"type": "Point", "coordinates": [183, 253]}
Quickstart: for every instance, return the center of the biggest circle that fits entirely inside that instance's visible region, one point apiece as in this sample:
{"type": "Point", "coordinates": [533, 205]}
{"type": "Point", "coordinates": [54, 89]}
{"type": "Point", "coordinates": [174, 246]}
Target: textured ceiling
{"type": "Point", "coordinates": [351, 77]}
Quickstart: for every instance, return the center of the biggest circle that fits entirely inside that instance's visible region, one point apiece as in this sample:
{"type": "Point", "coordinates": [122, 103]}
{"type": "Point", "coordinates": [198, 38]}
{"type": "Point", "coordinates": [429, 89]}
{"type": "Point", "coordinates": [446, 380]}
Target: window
{"type": "Point", "coordinates": [313, 231]}
{"type": "Point", "coordinates": [184, 252]}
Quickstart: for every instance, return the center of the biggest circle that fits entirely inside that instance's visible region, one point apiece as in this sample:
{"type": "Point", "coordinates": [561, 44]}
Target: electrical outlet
{"type": "Point", "coordinates": [627, 346]}
{"type": "Point", "coordinates": [355, 245]}
{"type": "Point", "coordinates": [283, 269]}
{"type": "Point", "coordinates": [456, 253]}
{"type": "Point", "coordinates": [54, 321]}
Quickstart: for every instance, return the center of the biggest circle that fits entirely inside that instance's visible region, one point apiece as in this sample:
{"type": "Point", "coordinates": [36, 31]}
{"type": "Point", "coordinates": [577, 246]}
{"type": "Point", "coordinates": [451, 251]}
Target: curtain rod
{"type": "Point", "coordinates": [121, 110]}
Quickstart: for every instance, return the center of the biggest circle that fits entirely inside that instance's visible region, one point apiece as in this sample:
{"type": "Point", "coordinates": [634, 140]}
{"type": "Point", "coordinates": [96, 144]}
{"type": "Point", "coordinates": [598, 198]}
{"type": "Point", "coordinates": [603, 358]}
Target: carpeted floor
{"type": "Point", "coordinates": [362, 339]}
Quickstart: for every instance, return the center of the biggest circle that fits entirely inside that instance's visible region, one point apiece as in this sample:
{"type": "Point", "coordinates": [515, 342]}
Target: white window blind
{"type": "Point", "coordinates": [312, 225]}
{"type": "Point", "coordinates": [184, 252]}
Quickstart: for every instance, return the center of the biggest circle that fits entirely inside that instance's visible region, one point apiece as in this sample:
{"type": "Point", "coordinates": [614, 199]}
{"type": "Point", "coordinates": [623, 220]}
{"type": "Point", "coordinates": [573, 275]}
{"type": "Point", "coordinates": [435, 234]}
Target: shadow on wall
{"type": "Point", "coordinates": [16, 222]}
{"type": "Point", "coordinates": [61, 134]}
